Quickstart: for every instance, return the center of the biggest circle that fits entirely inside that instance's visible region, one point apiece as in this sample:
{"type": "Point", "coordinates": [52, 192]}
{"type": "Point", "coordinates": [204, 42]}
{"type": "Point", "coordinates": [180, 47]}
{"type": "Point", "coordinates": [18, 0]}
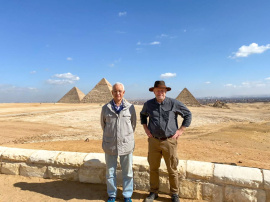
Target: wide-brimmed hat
{"type": "Point", "coordinates": [159, 84]}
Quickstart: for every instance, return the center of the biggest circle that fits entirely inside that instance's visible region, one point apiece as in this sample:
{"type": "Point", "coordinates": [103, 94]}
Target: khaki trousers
{"type": "Point", "coordinates": [168, 149]}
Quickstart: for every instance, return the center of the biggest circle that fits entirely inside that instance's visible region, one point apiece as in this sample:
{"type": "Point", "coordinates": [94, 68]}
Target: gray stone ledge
{"type": "Point", "coordinates": [200, 170]}
{"type": "Point", "coordinates": [70, 159]}
{"type": "Point", "coordinates": [16, 154]}
{"type": "Point", "coordinates": [44, 157]}
{"type": "Point", "coordinates": [2, 150]}
{"type": "Point", "coordinates": [266, 174]}
{"type": "Point", "coordinates": [238, 176]}
{"type": "Point", "coordinates": [95, 160]}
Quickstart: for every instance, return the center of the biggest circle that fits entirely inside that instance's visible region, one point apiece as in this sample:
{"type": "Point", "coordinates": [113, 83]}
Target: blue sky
{"type": "Point", "coordinates": [213, 48]}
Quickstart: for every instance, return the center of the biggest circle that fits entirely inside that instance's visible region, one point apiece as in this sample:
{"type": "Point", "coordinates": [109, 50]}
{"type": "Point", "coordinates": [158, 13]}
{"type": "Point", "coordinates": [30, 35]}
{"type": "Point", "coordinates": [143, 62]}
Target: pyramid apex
{"type": "Point", "coordinates": [75, 95]}
{"type": "Point", "coordinates": [101, 93]}
{"type": "Point", "coordinates": [104, 81]}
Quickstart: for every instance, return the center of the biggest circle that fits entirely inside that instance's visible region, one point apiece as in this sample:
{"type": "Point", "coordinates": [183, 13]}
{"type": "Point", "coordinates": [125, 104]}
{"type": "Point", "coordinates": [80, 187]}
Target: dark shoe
{"type": "Point", "coordinates": [152, 196]}
{"type": "Point", "coordinates": [175, 198]}
{"type": "Point", "coordinates": [127, 200]}
{"type": "Point", "coordinates": [111, 199]}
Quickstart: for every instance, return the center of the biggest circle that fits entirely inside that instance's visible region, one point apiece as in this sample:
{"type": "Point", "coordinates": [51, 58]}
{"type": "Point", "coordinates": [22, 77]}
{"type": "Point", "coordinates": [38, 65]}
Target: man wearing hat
{"type": "Point", "coordinates": [163, 132]}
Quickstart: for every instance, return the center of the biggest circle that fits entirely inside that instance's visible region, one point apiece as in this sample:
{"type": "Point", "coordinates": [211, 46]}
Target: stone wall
{"type": "Point", "coordinates": [198, 180]}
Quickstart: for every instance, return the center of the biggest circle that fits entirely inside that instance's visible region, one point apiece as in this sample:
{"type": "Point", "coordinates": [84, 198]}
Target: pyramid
{"type": "Point", "coordinates": [187, 98]}
{"type": "Point", "coordinates": [220, 104]}
{"type": "Point", "coordinates": [72, 96]}
{"type": "Point", "coordinates": [101, 93]}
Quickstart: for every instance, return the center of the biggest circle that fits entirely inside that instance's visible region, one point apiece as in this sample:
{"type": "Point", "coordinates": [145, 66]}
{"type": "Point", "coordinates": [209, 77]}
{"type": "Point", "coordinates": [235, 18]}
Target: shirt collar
{"type": "Point", "coordinates": [163, 102]}
{"type": "Point", "coordinates": [116, 105]}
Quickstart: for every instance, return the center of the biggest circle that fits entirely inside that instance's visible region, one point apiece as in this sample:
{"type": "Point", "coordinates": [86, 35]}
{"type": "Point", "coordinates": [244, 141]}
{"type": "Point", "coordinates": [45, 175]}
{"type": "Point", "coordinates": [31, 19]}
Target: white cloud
{"type": "Point", "coordinates": [59, 81]}
{"type": "Point", "coordinates": [115, 62]}
{"type": "Point", "coordinates": [120, 14]}
{"type": "Point", "coordinates": [248, 85]}
{"type": "Point", "coordinates": [168, 75]}
{"type": "Point", "coordinates": [229, 85]}
{"type": "Point", "coordinates": [155, 43]}
{"type": "Point", "coordinates": [245, 51]}
{"type": "Point", "coordinates": [163, 36]}
{"type": "Point", "coordinates": [33, 72]}
{"type": "Point", "coordinates": [66, 78]}
{"type": "Point", "coordinates": [69, 58]}
{"type": "Point", "coordinates": [267, 78]}
{"type": "Point", "coordinates": [207, 82]}
{"type": "Point", "coordinates": [147, 44]}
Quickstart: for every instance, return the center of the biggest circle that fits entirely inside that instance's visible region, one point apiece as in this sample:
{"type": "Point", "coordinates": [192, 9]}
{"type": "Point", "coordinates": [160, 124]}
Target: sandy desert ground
{"type": "Point", "coordinates": [238, 136]}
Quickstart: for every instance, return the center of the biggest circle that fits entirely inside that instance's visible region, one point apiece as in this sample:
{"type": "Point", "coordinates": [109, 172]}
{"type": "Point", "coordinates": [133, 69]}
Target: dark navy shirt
{"type": "Point", "coordinates": [163, 117]}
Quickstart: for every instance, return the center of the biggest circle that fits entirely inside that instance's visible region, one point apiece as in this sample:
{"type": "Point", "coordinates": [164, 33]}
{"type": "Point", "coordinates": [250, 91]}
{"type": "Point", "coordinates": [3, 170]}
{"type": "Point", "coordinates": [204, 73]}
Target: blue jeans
{"type": "Point", "coordinates": [127, 174]}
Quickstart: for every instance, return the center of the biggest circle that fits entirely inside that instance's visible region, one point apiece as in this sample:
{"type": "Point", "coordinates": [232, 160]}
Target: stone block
{"type": "Point", "coordinates": [267, 195]}
{"type": "Point", "coordinates": [63, 173]}
{"type": "Point", "coordinates": [2, 150]}
{"type": "Point", "coordinates": [92, 175]}
{"type": "Point", "coordinates": [16, 154]}
{"type": "Point", "coordinates": [70, 159]}
{"type": "Point", "coordinates": [163, 167]}
{"type": "Point", "coordinates": [236, 194]}
{"type": "Point", "coordinates": [200, 170]}
{"type": "Point", "coordinates": [32, 170]}
{"type": "Point", "coordinates": [119, 178]}
{"type": "Point", "coordinates": [141, 180]}
{"type": "Point", "coordinates": [182, 169]}
{"type": "Point", "coordinates": [140, 164]}
{"type": "Point", "coordinates": [212, 192]}
{"type": "Point", "coordinates": [164, 184]}
{"type": "Point", "coordinates": [189, 189]}
{"type": "Point", "coordinates": [238, 176]}
{"type": "Point", "coordinates": [43, 157]}
{"type": "Point", "coordinates": [95, 160]}
{"type": "Point", "coordinates": [10, 168]}
{"type": "Point", "coordinates": [266, 175]}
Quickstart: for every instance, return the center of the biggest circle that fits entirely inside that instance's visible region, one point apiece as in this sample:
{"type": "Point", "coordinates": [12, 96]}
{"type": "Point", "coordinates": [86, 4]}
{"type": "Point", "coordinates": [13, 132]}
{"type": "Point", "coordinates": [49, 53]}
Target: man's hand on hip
{"type": "Point", "coordinates": [179, 132]}
{"type": "Point", "coordinates": [147, 131]}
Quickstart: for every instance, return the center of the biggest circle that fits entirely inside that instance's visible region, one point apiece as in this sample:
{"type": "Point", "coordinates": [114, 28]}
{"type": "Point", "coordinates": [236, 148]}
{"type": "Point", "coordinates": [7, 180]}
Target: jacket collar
{"type": "Point", "coordinates": [126, 105]}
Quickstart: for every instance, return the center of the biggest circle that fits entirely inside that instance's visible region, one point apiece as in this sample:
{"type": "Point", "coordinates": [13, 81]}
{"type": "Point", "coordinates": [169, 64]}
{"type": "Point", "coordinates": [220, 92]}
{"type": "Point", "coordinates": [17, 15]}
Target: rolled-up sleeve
{"type": "Point", "coordinates": [144, 114]}
{"type": "Point", "coordinates": [184, 112]}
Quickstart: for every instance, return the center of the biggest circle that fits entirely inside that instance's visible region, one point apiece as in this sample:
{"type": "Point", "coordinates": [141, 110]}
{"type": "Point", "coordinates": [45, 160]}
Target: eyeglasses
{"type": "Point", "coordinates": [118, 91]}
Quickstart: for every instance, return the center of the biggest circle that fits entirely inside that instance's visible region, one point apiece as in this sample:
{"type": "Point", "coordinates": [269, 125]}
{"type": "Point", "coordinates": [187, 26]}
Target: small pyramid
{"type": "Point", "coordinates": [220, 104]}
{"type": "Point", "coordinates": [72, 96]}
{"type": "Point", "coordinates": [101, 93]}
{"type": "Point", "coordinates": [187, 98]}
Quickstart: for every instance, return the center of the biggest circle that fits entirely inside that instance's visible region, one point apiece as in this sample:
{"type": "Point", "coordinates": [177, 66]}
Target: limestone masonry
{"type": "Point", "coordinates": [198, 180]}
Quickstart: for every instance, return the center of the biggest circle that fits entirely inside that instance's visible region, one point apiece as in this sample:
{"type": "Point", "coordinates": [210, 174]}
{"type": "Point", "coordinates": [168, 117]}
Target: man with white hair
{"type": "Point", "coordinates": [118, 122]}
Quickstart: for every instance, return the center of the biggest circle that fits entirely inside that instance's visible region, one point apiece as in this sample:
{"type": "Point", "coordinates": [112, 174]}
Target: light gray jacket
{"type": "Point", "coordinates": [118, 129]}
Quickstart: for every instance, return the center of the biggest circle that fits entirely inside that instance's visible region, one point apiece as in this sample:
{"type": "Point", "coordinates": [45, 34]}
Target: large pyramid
{"type": "Point", "coordinates": [72, 96]}
{"type": "Point", "coordinates": [187, 98]}
{"type": "Point", "coordinates": [101, 93]}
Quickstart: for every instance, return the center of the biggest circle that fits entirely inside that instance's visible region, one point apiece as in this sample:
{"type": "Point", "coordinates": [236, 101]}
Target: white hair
{"type": "Point", "coordinates": [118, 83]}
